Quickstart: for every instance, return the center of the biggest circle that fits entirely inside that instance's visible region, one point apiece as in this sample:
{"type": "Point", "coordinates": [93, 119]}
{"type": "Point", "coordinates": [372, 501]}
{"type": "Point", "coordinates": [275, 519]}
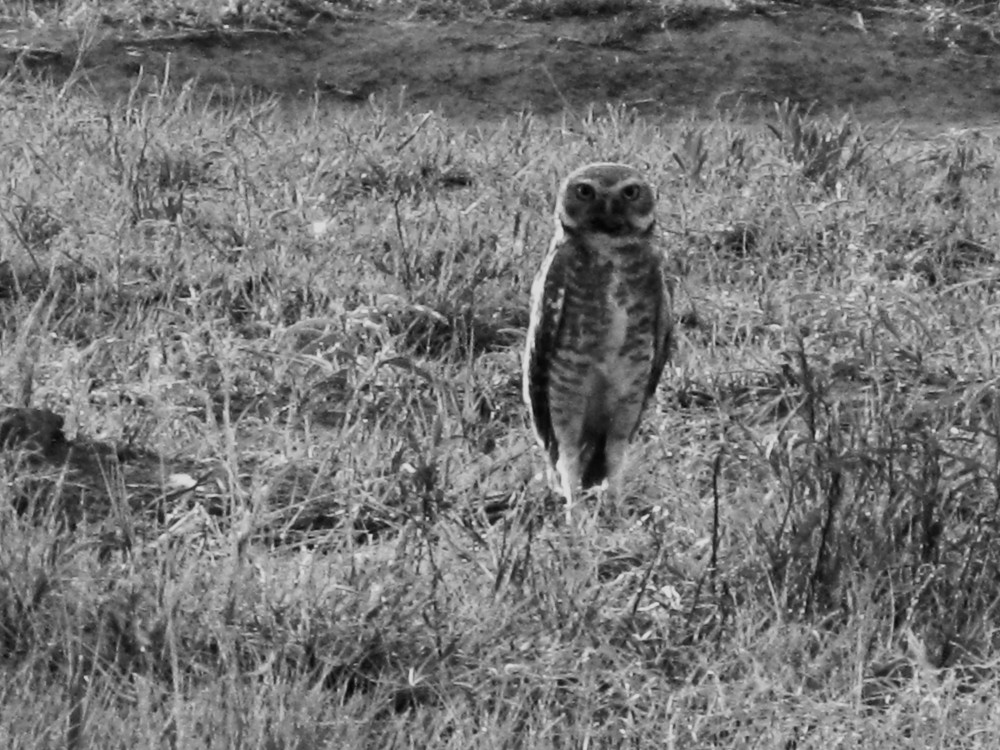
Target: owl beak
{"type": "Point", "coordinates": [611, 219]}
{"type": "Point", "coordinates": [610, 222]}
{"type": "Point", "coordinates": [609, 225]}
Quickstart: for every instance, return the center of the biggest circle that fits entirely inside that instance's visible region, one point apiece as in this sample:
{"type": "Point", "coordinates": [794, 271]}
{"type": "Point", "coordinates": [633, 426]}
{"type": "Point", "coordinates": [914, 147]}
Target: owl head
{"type": "Point", "coordinates": [611, 199]}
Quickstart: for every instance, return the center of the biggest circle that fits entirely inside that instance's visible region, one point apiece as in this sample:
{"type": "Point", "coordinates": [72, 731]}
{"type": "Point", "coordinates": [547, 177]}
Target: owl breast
{"type": "Point", "coordinates": [610, 328]}
{"type": "Point", "coordinates": [616, 337]}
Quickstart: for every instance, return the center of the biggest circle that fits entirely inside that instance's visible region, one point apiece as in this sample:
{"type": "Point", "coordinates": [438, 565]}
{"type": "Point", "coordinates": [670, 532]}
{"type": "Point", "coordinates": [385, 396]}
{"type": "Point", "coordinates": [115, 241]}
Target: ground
{"type": "Point", "coordinates": [266, 478]}
{"type": "Point", "coordinates": [892, 66]}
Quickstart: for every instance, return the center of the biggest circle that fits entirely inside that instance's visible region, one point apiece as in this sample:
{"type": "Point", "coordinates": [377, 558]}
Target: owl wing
{"type": "Point", "coordinates": [547, 297]}
{"type": "Point", "coordinates": [663, 328]}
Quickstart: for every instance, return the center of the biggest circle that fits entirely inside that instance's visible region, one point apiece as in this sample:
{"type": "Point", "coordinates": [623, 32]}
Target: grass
{"type": "Point", "coordinates": [317, 315]}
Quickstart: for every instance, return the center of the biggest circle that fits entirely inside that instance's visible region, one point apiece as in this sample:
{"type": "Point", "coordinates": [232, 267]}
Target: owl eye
{"type": "Point", "coordinates": [585, 192]}
{"type": "Point", "coordinates": [631, 192]}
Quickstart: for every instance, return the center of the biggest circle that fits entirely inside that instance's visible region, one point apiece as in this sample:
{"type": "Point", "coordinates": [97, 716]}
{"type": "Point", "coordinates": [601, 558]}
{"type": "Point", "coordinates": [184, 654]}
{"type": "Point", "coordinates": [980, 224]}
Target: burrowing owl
{"type": "Point", "coordinates": [600, 328]}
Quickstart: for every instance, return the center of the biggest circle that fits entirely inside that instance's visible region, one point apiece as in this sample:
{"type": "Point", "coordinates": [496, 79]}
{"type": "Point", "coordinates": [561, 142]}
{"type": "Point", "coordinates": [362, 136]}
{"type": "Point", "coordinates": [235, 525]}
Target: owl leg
{"type": "Point", "coordinates": [619, 439]}
{"type": "Point", "coordinates": [616, 452]}
{"type": "Point", "coordinates": [568, 469]}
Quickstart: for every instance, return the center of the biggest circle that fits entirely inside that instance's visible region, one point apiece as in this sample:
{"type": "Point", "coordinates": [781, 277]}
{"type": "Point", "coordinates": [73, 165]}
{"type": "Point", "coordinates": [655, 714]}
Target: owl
{"type": "Point", "coordinates": [600, 329]}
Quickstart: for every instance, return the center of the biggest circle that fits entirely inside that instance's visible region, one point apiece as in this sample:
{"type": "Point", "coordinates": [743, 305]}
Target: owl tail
{"type": "Point", "coordinates": [595, 461]}
{"type": "Point", "coordinates": [593, 445]}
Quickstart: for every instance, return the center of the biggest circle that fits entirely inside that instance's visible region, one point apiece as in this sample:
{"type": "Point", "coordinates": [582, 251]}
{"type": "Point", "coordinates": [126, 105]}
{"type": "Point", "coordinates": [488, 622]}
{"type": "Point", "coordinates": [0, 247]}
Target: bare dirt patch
{"type": "Point", "coordinates": [887, 67]}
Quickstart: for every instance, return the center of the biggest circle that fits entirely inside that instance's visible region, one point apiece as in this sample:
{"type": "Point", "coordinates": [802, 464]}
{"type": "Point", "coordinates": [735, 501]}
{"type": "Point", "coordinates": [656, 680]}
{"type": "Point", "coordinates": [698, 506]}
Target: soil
{"type": "Point", "coordinates": [887, 67]}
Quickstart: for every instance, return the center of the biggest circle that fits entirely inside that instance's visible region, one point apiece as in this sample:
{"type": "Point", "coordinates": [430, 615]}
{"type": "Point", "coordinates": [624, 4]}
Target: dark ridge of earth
{"type": "Point", "coordinates": [491, 68]}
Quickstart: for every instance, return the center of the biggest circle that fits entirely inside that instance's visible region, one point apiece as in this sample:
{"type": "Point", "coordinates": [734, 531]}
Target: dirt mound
{"type": "Point", "coordinates": [884, 66]}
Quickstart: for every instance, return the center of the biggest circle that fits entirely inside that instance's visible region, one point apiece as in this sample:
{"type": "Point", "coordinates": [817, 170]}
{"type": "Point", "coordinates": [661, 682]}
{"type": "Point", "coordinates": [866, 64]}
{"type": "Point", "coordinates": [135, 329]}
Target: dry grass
{"type": "Point", "coordinates": [317, 313]}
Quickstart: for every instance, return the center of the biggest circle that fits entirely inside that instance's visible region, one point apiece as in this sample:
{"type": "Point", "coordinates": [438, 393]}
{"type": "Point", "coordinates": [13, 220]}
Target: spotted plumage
{"type": "Point", "coordinates": [600, 328]}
